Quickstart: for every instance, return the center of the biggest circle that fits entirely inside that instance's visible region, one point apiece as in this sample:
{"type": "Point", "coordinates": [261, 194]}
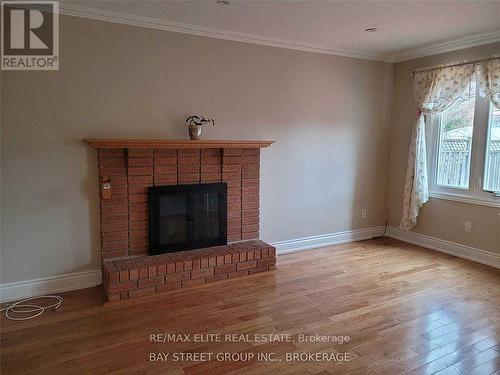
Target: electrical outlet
{"type": "Point", "coordinates": [468, 226]}
{"type": "Point", "coordinates": [363, 213]}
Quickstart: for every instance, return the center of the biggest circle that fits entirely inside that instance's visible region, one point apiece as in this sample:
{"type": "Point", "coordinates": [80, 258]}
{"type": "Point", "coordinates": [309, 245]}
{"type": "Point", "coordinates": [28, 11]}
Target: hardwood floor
{"type": "Point", "coordinates": [405, 308]}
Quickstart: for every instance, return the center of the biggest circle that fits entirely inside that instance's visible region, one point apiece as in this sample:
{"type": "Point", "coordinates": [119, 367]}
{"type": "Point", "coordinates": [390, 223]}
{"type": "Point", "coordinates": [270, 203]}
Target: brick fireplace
{"type": "Point", "coordinates": [127, 168]}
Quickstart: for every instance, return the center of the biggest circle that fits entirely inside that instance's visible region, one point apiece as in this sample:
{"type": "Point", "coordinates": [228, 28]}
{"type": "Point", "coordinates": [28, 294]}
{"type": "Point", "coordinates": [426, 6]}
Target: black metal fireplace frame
{"type": "Point", "coordinates": [154, 194]}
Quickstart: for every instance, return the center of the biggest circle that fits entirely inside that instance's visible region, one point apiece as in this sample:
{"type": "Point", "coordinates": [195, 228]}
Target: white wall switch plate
{"type": "Point", "coordinates": [468, 226]}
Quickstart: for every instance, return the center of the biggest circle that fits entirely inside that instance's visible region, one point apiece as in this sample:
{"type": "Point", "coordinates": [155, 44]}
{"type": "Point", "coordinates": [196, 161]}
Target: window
{"type": "Point", "coordinates": [455, 145]}
{"type": "Point", "coordinates": [464, 152]}
{"type": "Point", "coordinates": [492, 165]}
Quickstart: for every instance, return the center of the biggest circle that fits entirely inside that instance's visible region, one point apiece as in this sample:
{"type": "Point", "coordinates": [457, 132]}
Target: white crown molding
{"type": "Point", "coordinates": [75, 10]}
{"type": "Point", "coordinates": [165, 25]}
{"type": "Point", "coordinates": [454, 45]}
{"type": "Point", "coordinates": [462, 251]}
{"type": "Point", "coordinates": [69, 9]}
{"type": "Point", "coordinates": [49, 285]}
{"type": "Point", "coordinates": [330, 239]}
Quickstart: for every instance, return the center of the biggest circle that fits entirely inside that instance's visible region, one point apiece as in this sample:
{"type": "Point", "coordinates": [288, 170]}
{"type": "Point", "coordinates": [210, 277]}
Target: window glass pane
{"type": "Point", "coordinates": [492, 167]}
{"type": "Point", "coordinates": [455, 145]}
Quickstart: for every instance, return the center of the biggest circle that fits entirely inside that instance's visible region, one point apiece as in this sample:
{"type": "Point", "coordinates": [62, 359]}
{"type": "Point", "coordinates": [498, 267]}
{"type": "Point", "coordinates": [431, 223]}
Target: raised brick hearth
{"type": "Point", "coordinates": [130, 167]}
{"type": "Point", "coordinates": [141, 276]}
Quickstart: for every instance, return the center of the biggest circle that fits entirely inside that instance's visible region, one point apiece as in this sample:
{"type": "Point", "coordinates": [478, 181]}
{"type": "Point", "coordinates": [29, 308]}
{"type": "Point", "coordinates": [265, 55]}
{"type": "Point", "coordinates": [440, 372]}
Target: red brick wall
{"type": "Point", "coordinates": [124, 218]}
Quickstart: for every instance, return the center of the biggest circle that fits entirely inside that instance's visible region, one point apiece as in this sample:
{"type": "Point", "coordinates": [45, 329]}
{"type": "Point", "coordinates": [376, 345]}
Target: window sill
{"type": "Point", "coordinates": [466, 199]}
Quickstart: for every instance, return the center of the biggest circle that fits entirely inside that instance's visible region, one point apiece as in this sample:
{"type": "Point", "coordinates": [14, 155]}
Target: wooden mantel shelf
{"type": "Point", "coordinates": [147, 143]}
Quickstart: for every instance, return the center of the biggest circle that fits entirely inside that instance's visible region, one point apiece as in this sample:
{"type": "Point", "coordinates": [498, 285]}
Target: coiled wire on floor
{"type": "Point", "coordinates": [23, 310]}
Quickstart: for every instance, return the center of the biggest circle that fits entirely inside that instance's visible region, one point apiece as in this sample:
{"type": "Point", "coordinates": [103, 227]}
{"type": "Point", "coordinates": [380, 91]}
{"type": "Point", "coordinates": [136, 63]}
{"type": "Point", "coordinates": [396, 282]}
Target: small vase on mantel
{"type": "Point", "coordinates": [195, 124]}
{"type": "Point", "coordinates": [194, 131]}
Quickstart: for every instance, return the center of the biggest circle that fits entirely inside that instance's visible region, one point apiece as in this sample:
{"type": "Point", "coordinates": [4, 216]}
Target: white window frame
{"type": "Point", "coordinates": [475, 193]}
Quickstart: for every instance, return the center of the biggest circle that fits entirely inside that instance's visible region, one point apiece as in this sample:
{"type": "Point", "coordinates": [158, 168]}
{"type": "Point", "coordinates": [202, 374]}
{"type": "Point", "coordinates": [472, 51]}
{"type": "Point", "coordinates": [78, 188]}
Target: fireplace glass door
{"type": "Point", "coordinates": [173, 218]}
{"type": "Point", "coordinates": [187, 217]}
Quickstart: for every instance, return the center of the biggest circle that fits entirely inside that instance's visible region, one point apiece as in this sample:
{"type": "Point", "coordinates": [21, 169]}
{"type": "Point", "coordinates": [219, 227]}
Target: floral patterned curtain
{"type": "Point", "coordinates": [489, 80]}
{"type": "Point", "coordinates": [435, 91]}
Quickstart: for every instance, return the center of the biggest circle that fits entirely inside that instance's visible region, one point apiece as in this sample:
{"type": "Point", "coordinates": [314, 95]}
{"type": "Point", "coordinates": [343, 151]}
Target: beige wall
{"type": "Point", "coordinates": [439, 218]}
{"type": "Point", "coordinates": [329, 116]}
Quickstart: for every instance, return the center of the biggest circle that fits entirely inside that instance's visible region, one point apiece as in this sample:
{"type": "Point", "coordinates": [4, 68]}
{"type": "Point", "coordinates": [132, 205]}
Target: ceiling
{"type": "Point", "coordinates": [405, 28]}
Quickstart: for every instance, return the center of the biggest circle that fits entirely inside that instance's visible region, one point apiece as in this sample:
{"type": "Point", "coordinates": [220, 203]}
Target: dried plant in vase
{"type": "Point", "coordinates": [195, 124]}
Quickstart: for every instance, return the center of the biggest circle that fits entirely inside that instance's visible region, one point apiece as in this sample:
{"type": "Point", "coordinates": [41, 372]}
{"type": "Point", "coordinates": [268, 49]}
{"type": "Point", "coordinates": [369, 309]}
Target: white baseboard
{"type": "Point", "coordinates": [313, 242]}
{"type": "Point", "coordinates": [462, 251]}
{"type": "Point", "coordinates": [80, 280]}
{"type": "Point", "coordinates": [49, 285]}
